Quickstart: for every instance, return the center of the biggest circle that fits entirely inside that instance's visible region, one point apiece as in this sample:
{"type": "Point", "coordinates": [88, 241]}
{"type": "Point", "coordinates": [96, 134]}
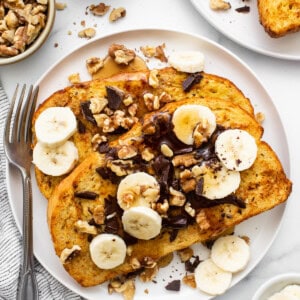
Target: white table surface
{"type": "Point", "coordinates": [279, 77]}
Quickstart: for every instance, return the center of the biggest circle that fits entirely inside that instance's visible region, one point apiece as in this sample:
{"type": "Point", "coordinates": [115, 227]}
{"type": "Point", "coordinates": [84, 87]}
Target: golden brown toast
{"type": "Point", "coordinates": [279, 17]}
{"type": "Point", "coordinates": [262, 187]}
{"type": "Point", "coordinates": [135, 84]}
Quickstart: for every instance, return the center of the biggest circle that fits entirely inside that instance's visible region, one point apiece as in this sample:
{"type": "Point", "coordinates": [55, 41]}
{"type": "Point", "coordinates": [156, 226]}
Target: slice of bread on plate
{"type": "Point", "coordinates": [87, 203]}
{"type": "Point", "coordinates": [279, 17]}
{"type": "Point", "coordinates": [141, 92]}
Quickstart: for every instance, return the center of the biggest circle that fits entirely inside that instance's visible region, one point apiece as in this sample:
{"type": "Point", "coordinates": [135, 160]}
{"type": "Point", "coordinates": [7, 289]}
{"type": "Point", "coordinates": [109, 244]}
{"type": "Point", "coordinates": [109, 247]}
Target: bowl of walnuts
{"type": "Point", "coordinates": [24, 27]}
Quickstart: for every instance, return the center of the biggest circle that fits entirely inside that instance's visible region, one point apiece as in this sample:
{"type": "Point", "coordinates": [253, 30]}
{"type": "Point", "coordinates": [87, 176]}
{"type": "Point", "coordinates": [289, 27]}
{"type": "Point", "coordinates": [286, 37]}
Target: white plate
{"type": "Point", "coordinates": [245, 29]}
{"type": "Point", "coordinates": [261, 229]}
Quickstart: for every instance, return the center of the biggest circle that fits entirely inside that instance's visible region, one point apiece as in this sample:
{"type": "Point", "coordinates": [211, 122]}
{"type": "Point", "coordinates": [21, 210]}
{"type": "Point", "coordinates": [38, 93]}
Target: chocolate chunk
{"type": "Point", "coordinates": [112, 225]}
{"type": "Point", "coordinates": [173, 235]}
{"type": "Point", "coordinates": [87, 113]}
{"type": "Point", "coordinates": [191, 80]}
{"type": "Point", "coordinates": [190, 265]}
{"type": "Point", "coordinates": [162, 168]}
{"type": "Point", "coordinates": [129, 239]}
{"type": "Point", "coordinates": [81, 127]}
{"type": "Point", "coordinates": [243, 9]}
{"type": "Point", "coordinates": [86, 195]}
{"type": "Point", "coordinates": [108, 174]}
{"type": "Point", "coordinates": [115, 97]}
{"type": "Point", "coordinates": [103, 147]}
{"type": "Point", "coordinates": [173, 286]}
{"type": "Point", "coordinates": [199, 187]}
{"type": "Point", "coordinates": [176, 222]}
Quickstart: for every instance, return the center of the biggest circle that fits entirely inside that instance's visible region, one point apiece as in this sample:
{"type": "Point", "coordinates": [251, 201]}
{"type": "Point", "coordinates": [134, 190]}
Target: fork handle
{"type": "Point", "coordinates": [28, 288]}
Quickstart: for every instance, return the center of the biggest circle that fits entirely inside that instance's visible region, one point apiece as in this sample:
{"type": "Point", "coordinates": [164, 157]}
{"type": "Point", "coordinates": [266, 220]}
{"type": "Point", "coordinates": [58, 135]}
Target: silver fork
{"type": "Point", "coordinates": [17, 148]}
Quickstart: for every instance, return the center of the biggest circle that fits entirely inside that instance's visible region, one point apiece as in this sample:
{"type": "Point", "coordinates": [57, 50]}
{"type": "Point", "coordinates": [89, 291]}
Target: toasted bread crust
{"type": "Point", "coordinates": [262, 187]}
{"type": "Point", "coordinates": [279, 17]}
{"type": "Point", "coordinates": [170, 82]}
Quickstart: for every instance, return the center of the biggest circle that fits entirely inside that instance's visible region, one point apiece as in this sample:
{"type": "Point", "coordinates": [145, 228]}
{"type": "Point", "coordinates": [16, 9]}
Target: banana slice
{"type": "Point", "coordinates": [218, 181]}
{"type": "Point", "coordinates": [55, 125]}
{"type": "Point", "coordinates": [211, 279]}
{"type": "Point", "coordinates": [187, 118]}
{"type": "Point", "coordinates": [231, 253]}
{"type": "Point", "coordinates": [55, 161]}
{"type": "Point", "coordinates": [142, 222]}
{"type": "Point", "coordinates": [236, 149]}
{"type": "Point", "coordinates": [283, 296]}
{"type": "Point", "coordinates": [292, 289]}
{"type": "Point", "coordinates": [187, 61]}
{"type": "Point", "coordinates": [107, 250]}
{"type": "Point", "coordinates": [137, 189]}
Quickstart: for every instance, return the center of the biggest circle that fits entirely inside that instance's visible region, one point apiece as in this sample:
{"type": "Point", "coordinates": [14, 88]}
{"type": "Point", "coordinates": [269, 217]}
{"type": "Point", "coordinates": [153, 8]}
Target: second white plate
{"type": "Point", "coordinates": [261, 229]}
{"type": "Point", "coordinates": [245, 29]}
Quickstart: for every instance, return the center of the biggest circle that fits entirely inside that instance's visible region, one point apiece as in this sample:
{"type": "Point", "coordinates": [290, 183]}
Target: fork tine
{"type": "Point", "coordinates": [9, 116]}
{"type": "Point", "coordinates": [16, 125]}
{"type": "Point", "coordinates": [31, 110]}
{"type": "Point", "coordinates": [22, 133]}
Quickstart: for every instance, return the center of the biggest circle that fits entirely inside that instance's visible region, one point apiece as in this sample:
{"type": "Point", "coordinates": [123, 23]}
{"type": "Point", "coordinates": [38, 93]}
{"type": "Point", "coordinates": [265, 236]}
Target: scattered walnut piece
{"type": "Point", "coordinates": [126, 152]}
{"type": "Point", "coordinates": [87, 33]}
{"type": "Point", "coordinates": [177, 198]}
{"type": "Point", "coordinates": [189, 280]}
{"type": "Point", "coordinates": [166, 150]}
{"type": "Point", "coordinates": [260, 117]}
{"type": "Point", "coordinates": [94, 64]}
{"type": "Point", "coordinates": [121, 54]}
{"type": "Point", "coordinates": [153, 79]}
{"type": "Point", "coordinates": [148, 51]}
{"type": "Point", "coordinates": [67, 252]}
{"type": "Point", "coordinates": [160, 53]}
{"type": "Point", "coordinates": [219, 5]}
{"type": "Point", "coordinates": [148, 274]}
{"type": "Point", "coordinates": [99, 215]}
{"type": "Point", "coordinates": [100, 9]}
{"type": "Point", "coordinates": [98, 139]}
{"type": "Point", "coordinates": [185, 254]}
{"type": "Point", "coordinates": [126, 288]}
{"type": "Point", "coordinates": [97, 105]}
{"type": "Point", "coordinates": [60, 5]}
{"type": "Point", "coordinates": [74, 78]}
{"type": "Point", "coordinates": [117, 13]}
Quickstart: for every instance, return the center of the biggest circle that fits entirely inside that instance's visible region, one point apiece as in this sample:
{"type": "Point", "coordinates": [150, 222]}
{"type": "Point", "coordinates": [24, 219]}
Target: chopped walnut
{"type": "Point", "coordinates": [121, 54]}
{"type": "Point", "coordinates": [260, 117]}
{"type": "Point", "coordinates": [176, 197]}
{"type": "Point", "coordinates": [185, 254]}
{"type": "Point", "coordinates": [162, 208]}
{"type": "Point", "coordinates": [189, 280]}
{"type": "Point", "coordinates": [85, 227]}
{"type": "Point", "coordinates": [74, 78]}
{"type": "Point", "coordinates": [99, 10]}
{"type": "Point", "coordinates": [151, 101]}
{"type": "Point", "coordinates": [135, 264]}
{"type": "Point", "coordinates": [148, 274]}
{"type": "Point", "coordinates": [126, 288]}
{"type": "Point", "coordinates": [94, 64]}
{"type": "Point", "coordinates": [166, 150]}
{"type": "Point", "coordinates": [165, 97]}
{"type": "Point", "coordinates": [160, 53]}
{"type": "Point", "coordinates": [148, 262]}
{"type": "Point", "coordinates": [132, 109]}
{"type": "Point", "coordinates": [98, 139]}
{"type": "Point", "coordinates": [126, 152]}
{"type": "Point", "coordinates": [185, 160]}
{"type": "Point", "coordinates": [153, 79]}
{"type": "Point", "coordinates": [188, 185]}
{"type": "Point", "coordinates": [60, 5]}
{"type": "Point", "coordinates": [148, 51]}
{"type": "Point", "coordinates": [128, 100]}
{"type": "Point", "coordinates": [121, 167]}
{"type": "Point", "coordinates": [67, 252]}
{"type": "Point", "coordinates": [117, 13]}
{"type": "Point", "coordinates": [189, 209]}
{"type": "Point", "coordinates": [219, 5]}
{"type": "Point", "coordinates": [87, 33]}
{"type": "Point", "coordinates": [99, 215]}
{"type": "Point", "coordinates": [97, 105]}
{"type": "Point", "coordinates": [147, 154]}
{"type": "Point", "coordinates": [202, 220]}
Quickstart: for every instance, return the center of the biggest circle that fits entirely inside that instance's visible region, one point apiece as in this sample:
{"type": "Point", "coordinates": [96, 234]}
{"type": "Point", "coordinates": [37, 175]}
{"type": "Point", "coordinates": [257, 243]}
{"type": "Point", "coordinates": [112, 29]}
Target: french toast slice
{"type": "Point", "coordinates": [262, 187]}
{"type": "Point", "coordinates": [135, 84]}
{"type": "Point", "coordinates": [279, 17]}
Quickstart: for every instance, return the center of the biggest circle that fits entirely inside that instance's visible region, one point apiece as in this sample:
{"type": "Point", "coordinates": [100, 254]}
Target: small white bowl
{"type": "Point", "coordinates": [38, 42]}
{"type": "Point", "coordinates": [276, 284]}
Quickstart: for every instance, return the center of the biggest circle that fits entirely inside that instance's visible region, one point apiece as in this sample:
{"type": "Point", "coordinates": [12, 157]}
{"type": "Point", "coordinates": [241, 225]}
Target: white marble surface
{"type": "Point", "coordinates": [280, 78]}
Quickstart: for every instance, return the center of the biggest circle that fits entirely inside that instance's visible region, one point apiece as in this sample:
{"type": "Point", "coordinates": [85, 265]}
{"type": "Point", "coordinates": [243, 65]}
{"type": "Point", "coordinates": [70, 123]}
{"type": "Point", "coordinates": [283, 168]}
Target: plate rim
{"type": "Point", "coordinates": [287, 167]}
{"type": "Point", "coordinates": [241, 43]}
